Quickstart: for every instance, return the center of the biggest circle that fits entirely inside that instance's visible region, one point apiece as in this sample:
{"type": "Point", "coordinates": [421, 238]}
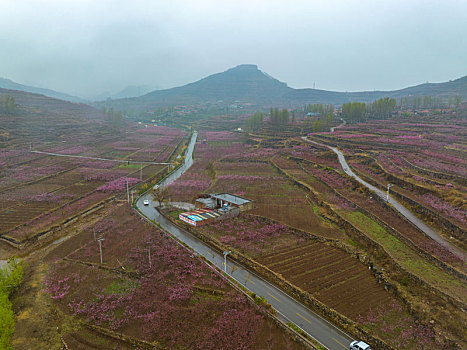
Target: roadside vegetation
{"type": "Point", "coordinates": [10, 279]}
{"type": "Point", "coordinates": [152, 290]}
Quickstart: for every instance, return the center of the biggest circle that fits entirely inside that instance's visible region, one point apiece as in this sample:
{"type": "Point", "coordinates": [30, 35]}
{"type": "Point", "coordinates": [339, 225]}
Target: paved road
{"type": "Point", "coordinates": [399, 207]}
{"type": "Point", "coordinates": [288, 309]}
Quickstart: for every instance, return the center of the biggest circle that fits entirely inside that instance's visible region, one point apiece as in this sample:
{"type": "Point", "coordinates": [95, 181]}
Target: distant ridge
{"type": "Point", "coordinates": [40, 102]}
{"type": "Point", "coordinates": [11, 85]}
{"type": "Point", "coordinates": [246, 83]}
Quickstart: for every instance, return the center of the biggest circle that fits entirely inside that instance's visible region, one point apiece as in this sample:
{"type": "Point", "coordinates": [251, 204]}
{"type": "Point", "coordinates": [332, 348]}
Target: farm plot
{"type": "Point", "coordinates": [46, 190]}
{"type": "Point", "coordinates": [312, 153]}
{"type": "Point", "coordinates": [29, 205]}
{"type": "Point", "coordinates": [222, 165]}
{"type": "Point", "coordinates": [171, 297]}
{"type": "Point", "coordinates": [200, 176]}
{"type": "Point", "coordinates": [32, 170]}
{"type": "Point", "coordinates": [46, 218]}
{"type": "Point", "coordinates": [252, 235]}
{"type": "Point", "coordinates": [334, 277]}
{"type": "Point", "coordinates": [407, 257]}
{"type": "Point", "coordinates": [383, 212]}
{"type": "Point", "coordinates": [424, 160]}
{"type": "Point", "coordinates": [403, 254]}
{"type": "Point", "coordinates": [446, 197]}
{"type": "Point", "coordinates": [341, 282]}
{"type": "Point", "coordinates": [275, 197]}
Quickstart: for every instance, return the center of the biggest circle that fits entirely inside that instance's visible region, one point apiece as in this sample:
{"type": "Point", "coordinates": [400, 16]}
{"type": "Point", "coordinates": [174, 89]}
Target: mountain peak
{"type": "Point", "coordinates": [250, 67]}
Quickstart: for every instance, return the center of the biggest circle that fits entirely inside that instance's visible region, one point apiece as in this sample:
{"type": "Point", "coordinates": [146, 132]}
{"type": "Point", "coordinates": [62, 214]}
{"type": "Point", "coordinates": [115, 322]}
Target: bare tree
{"type": "Point", "coordinates": [161, 194]}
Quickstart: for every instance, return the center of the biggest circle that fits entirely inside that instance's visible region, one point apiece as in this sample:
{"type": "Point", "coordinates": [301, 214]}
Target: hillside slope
{"type": "Point", "coordinates": [248, 84]}
{"type": "Point", "coordinates": [11, 85]}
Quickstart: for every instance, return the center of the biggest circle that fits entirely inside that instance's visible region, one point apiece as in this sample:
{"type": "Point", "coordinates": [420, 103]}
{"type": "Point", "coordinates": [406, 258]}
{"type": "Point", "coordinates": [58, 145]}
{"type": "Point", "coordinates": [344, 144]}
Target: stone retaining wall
{"type": "Point", "coordinates": [457, 178]}
{"type": "Point", "coordinates": [125, 338]}
{"type": "Point", "coordinates": [50, 231]}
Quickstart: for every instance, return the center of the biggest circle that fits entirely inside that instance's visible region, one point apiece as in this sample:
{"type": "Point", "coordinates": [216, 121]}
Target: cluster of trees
{"type": "Point", "coordinates": [10, 279]}
{"type": "Point", "coordinates": [7, 104]}
{"type": "Point", "coordinates": [279, 117]}
{"type": "Point", "coordinates": [354, 112]}
{"type": "Point", "coordinates": [115, 118]}
{"type": "Point", "coordinates": [323, 123]}
{"type": "Point", "coordinates": [254, 122]}
{"type": "Point", "coordinates": [382, 108]}
{"type": "Point", "coordinates": [319, 108]}
{"type": "Point", "coordinates": [430, 102]}
{"type": "Point", "coordinates": [324, 114]}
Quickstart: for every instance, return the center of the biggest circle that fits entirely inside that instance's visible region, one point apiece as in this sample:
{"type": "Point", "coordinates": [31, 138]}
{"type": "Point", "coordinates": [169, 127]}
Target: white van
{"type": "Point", "coordinates": [359, 345]}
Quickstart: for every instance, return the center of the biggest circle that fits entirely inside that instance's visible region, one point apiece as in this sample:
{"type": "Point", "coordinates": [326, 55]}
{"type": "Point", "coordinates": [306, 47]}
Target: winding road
{"type": "Point", "coordinates": [399, 207]}
{"type": "Point", "coordinates": [288, 309]}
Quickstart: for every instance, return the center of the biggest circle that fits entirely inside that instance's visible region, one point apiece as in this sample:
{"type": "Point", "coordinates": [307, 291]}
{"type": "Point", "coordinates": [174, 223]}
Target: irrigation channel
{"type": "Point", "coordinates": [396, 205]}
{"type": "Point", "coordinates": [287, 308]}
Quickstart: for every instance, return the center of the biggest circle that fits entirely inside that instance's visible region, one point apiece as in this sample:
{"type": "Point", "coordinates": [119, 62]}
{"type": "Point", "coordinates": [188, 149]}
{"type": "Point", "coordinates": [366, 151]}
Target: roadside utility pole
{"type": "Point", "coordinates": [387, 194]}
{"type": "Point", "coordinates": [127, 192]}
{"type": "Point", "coordinates": [100, 247]}
{"type": "Point", "coordinates": [225, 261]}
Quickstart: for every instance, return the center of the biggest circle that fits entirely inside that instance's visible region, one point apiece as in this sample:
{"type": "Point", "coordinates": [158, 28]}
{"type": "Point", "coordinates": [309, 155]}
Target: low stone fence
{"type": "Point", "coordinates": [460, 179]}
{"type": "Point", "coordinates": [445, 224]}
{"type": "Point", "coordinates": [50, 231]}
{"type": "Point", "coordinates": [142, 344]}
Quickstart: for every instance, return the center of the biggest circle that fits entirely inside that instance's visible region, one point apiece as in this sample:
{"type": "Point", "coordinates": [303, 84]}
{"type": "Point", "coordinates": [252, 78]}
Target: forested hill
{"type": "Point", "coordinates": [248, 84]}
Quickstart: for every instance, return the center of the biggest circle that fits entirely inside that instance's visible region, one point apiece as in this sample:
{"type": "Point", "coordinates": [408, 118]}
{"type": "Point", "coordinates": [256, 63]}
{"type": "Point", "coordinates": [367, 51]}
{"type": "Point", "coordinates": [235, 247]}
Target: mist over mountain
{"type": "Point", "coordinates": [248, 84]}
{"type": "Point", "coordinates": [127, 92]}
{"type": "Point", "coordinates": [9, 84]}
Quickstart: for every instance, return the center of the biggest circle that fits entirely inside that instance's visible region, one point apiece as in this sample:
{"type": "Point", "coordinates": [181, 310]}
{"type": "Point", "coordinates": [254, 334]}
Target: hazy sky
{"type": "Point", "coordinates": [87, 47]}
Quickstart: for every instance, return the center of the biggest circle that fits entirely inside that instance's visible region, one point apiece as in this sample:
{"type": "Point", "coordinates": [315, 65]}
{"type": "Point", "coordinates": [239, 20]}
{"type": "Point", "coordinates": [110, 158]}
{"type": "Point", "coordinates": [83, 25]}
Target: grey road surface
{"type": "Point", "coordinates": [399, 207]}
{"type": "Point", "coordinates": [288, 309]}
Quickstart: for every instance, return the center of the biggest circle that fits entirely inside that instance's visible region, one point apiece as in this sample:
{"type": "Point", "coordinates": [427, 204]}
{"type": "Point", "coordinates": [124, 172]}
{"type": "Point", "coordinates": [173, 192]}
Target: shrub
{"type": "Point", "coordinates": [10, 279]}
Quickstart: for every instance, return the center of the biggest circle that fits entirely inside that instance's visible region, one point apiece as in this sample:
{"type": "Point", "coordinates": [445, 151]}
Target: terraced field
{"type": "Point", "coordinates": [37, 190]}
{"type": "Point", "coordinates": [332, 276]}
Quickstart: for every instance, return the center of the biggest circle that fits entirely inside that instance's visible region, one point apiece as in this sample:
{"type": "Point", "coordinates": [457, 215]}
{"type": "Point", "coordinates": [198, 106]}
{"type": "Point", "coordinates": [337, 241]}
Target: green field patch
{"type": "Point", "coordinates": [406, 257]}
{"type": "Point", "coordinates": [130, 166]}
{"type": "Point", "coordinates": [121, 287]}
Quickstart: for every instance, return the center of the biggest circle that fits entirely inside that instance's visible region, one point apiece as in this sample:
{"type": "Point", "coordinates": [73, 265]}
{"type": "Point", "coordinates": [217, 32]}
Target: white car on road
{"type": "Point", "coordinates": [359, 345]}
{"type": "Point", "coordinates": [146, 202]}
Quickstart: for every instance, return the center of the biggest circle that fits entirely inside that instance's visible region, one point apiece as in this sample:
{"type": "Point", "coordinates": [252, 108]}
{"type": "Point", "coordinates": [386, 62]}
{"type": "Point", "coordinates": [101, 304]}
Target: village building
{"type": "Point", "coordinates": [212, 207]}
{"type": "Point", "coordinates": [221, 200]}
